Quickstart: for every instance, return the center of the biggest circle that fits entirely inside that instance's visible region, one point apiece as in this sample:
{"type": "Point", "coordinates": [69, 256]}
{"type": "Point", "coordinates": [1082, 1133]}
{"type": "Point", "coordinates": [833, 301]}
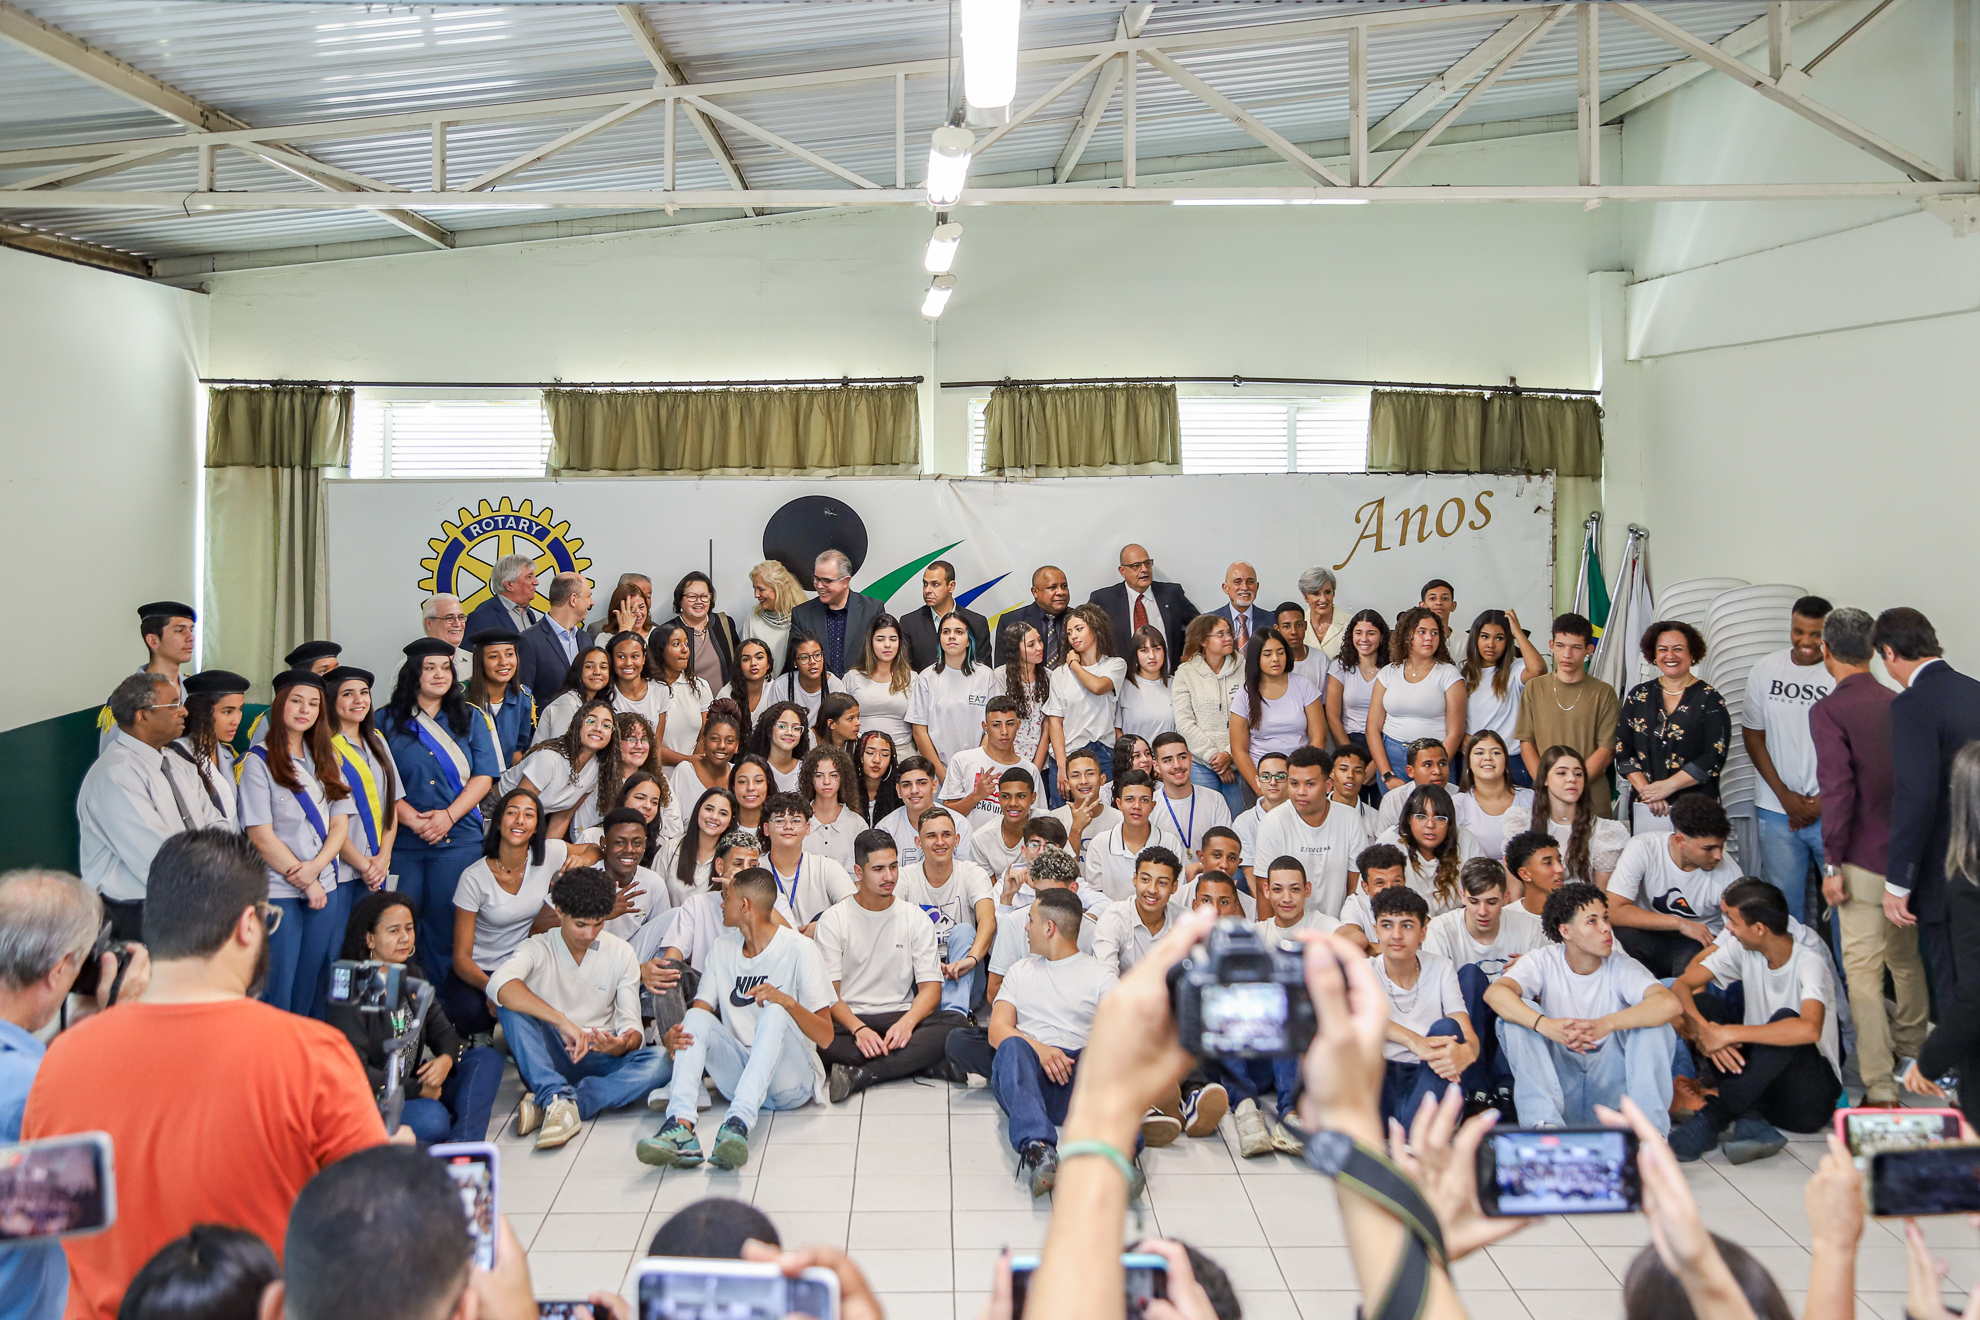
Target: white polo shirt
{"type": "Point", "coordinates": [1106, 864]}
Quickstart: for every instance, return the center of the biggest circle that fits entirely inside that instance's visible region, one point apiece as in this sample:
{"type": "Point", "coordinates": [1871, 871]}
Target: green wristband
{"type": "Point", "coordinates": [1074, 1149]}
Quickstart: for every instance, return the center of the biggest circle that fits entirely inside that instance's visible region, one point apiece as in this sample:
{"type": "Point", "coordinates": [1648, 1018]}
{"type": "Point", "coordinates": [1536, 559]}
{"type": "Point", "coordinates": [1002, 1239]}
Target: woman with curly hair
{"type": "Point", "coordinates": [826, 782]}
{"type": "Point", "coordinates": [1674, 730]}
{"type": "Point", "coordinates": [1434, 847]}
{"type": "Point", "coordinates": [566, 771]}
{"type": "Point", "coordinates": [781, 739]}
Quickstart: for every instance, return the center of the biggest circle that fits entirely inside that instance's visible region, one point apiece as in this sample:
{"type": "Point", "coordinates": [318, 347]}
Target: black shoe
{"type": "Point", "coordinates": [1502, 1100]}
{"type": "Point", "coordinates": [951, 1071]}
{"type": "Point", "coordinates": [846, 1082]}
{"type": "Point", "coordinates": [1038, 1164]}
{"type": "Point", "coordinates": [1696, 1135]}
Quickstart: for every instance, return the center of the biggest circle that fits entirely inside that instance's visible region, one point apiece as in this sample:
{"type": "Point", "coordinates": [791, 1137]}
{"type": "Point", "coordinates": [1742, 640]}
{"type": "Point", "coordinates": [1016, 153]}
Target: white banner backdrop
{"type": "Point", "coordinates": [1491, 536]}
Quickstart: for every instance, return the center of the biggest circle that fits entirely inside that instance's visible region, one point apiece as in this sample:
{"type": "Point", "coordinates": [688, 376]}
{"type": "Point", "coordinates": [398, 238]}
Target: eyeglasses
{"type": "Point", "coordinates": [696, 598]}
{"type": "Point", "coordinates": [1139, 564]}
{"type": "Point", "coordinates": [271, 917]}
{"type": "Point", "coordinates": [1441, 820]}
{"type": "Point", "coordinates": [164, 705]}
{"type": "Point", "coordinates": [1270, 778]}
{"type": "Point", "coordinates": [821, 580]}
{"type": "Point", "coordinates": [451, 618]}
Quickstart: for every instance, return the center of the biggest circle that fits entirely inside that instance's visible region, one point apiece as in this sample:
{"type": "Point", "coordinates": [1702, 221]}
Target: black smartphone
{"type": "Point", "coordinates": [1932, 1180]}
{"type": "Point", "coordinates": [1147, 1279]}
{"type": "Point", "coordinates": [472, 1166]}
{"type": "Point", "coordinates": [1559, 1171]}
{"type": "Point", "coordinates": [56, 1188]}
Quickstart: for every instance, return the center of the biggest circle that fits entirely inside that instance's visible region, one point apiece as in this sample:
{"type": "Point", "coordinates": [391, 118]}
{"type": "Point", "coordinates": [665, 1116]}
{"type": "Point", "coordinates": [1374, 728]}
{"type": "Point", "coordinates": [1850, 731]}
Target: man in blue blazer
{"type": "Point", "coordinates": [1240, 590]}
{"type": "Point", "coordinates": [838, 616]}
{"type": "Point", "coordinates": [511, 587]}
{"type": "Point", "coordinates": [549, 645]}
{"type": "Point", "coordinates": [1164, 605]}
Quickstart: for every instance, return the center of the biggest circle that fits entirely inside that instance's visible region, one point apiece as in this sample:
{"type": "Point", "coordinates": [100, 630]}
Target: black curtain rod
{"type": "Point", "coordinates": [1514, 387]}
{"type": "Point", "coordinates": [563, 384]}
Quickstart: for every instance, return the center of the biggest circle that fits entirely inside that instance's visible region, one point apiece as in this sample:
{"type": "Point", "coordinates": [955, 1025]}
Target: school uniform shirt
{"type": "Point", "coordinates": [653, 707]}
{"type": "Point", "coordinates": [556, 717]}
{"type": "Point", "coordinates": [1778, 695]}
{"type": "Point", "coordinates": [125, 811]}
{"type": "Point", "coordinates": [1519, 933]}
{"type": "Point", "coordinates": [949, 904]}
{"type": "Point", "coordinates": [1415, 710]}
{"type": "Point", "coordinates": [789, 962]}
{"type": "Point", "coordinates": [1605, 846]}
{"type": "Point", "coordinates": [1246, 824]}
{"type": "Point", "coordinates": [1012, 946]}
{"type": "Point", "coordinates": [1326, 851]}
{"type": "Point", "coordinates": [1087, 716]}
{"type": "Point", "coordinates": [814, 884]}
{"type": "Point", "coordinates": [966, 765]}
{"type": "Point", "coordinates": [1312, 919]}
{"type": "Point", "coordinates": [650, 897]}
{"type": "Point", "coordinates": [550, 771]}
{"type": "Point", "coordinates": [1420, 873]}
{"type": "Point", "coordinates": [786, 687]}
{"type": "Point", "coordinates": [1106, 863]}
{"type": "Point", "coordinates": [265, 802]}
{"type": "Point", "coordinates": [424, 783]}
{"type": "Point", "coordinates": [834, 839]}
{"type": "Point", "coordinates": [369, 777]}
{"type": "Point", "coordinates": [1056, 998]}
{"type": "Point", "coordinates": [1146, 708]}
{"type": "Point", "coordinates": [694, 927]}
{"type": "Point", "coordinates": [515, 723]}
{"type": "Point", "coordinates": [1109, 818]}
{"type": "Point", "coordinates": [907, 834]}
{"type": "Point", "coordinates": [987, 846]}
{"type": "Point", "coordinates": [501, 919]}
{"type": "Point", "coordinates": [1282, 728]}
{"type": "Point", "coordinates": [1647, 877]}
{"type": "Point", "coordinates": [208, 788]}
{"type": "Point", "coordinates": [881, 709]}
{"type": "Point", "coordinates": [687, 697]}
{"type": "Point", "coordinates": [1435, 995]}
{"type": "Point", "coordinates": [1489, 830]}
{"type": "Point", "coordinates": [1188, 818]}
{"type": "Point", "coordinates": [1544, 977]}
{"type": "Point", "coordinates": [601, 993]}
{"type": "Point", "coordinates": [1121, 939]}
{"type": "Point", "coordinates": [878, 958]}
{"type": "Point", "coordinates": [1357, 909]}
{"type": "Point", "coordinates": [1485, 709]}
{"type": "Point", "coordinates": [1805, 975]}
{"type": "Point", "coordinates": [1031, 722]}
{"type": "Point", "coordinates": [949, 704]}
{"type": "Point", "coordinates": [1356, 692]}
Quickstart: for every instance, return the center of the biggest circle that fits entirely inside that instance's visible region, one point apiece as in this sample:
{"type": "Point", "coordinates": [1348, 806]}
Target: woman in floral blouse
{"type": "Point", "coordinates": [1674, 730]}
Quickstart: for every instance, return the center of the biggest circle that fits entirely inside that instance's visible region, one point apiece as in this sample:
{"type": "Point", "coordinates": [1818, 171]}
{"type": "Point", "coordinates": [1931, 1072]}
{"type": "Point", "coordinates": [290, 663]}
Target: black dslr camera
{"type": "Point", "coordinates": [89, 976]}
{"type": "Point", "coordinates": [1235, 997]}
{"type": "Point", "coordinates": [379, 987]}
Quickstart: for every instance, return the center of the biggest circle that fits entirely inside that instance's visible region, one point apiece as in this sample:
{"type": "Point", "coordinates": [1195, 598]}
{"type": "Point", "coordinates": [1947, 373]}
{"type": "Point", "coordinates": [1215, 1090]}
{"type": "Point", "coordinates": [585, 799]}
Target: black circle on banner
{"type": "Point", "coordinates": [809, 526]}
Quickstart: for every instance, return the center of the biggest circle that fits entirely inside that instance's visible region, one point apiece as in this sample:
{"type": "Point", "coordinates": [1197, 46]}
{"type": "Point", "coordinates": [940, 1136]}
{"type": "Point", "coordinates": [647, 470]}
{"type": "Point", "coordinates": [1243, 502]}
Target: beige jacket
{"type": "Point", "coordinates": [1203, 705]}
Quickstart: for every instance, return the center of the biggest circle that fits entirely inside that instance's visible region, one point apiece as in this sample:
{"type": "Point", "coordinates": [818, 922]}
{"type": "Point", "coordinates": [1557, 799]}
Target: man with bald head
{"type": "Point", "coordinates": [547, 648]}
{"type": "Point", "coordinates": [1138, 601]}
{"type": "Point", "coordinates": [442, 616]}
{"type": "Point", "coordinates": [1050, 599]}
{"type": "Point", "coordinates": [1241, 590]}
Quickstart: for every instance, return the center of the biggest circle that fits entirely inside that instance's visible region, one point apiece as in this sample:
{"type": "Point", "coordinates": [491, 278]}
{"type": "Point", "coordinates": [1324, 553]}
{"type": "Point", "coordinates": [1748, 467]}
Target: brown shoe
{"type": "Point", "coordinates": [1687, 1098]}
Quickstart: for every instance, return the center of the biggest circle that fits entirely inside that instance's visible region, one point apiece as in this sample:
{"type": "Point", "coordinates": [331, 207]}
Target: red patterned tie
{"type": "Point", "coordinates": [1243, 620]}
{"type": "Point", "coordinates": [1140, 612]}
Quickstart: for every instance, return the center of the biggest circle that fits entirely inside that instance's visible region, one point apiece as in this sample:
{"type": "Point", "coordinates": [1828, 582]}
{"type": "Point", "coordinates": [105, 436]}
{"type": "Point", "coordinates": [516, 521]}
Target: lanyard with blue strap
{"type": "Point", "coordinates": [362, 786]}
{"type": "Point", "coordinates": [447, 759]}
{"type": "Point", "coordinates": [797, 877]}
{"type": "Point", "coordinates": [1170, 803]}
{"type": "Point", "coordinates": [309, 811]}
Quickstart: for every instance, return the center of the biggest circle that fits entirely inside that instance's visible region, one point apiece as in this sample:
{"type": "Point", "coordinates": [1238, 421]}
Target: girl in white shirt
{"type": "Point", "coordinates": [880, 682]}
{"type": "Point", "coordinates": [1487, 795]}
{"type": "Point", "coordinates": [837, 721]}
{"type": "Point", "coordinates": [1351, 677]}
{"type": "Point", "coordinates": [781, 739]}
{"type": "Point", "coordinates": [749, 780]}
{"type": "Point", "coordinates": [1080, 711]}
{"type": "Point", "coordinates": [945, 704]}
{"type": "Point", "coordinates": [1023, 679]}
{"type": "Point", "coordinates": [562, 772]}
{"type": "Point", "coordinates": [826, 782]}
{"type": "Point", "coordinates": [1434, 848]}
{"type": "Point", "coordinates": [1419, 695]}
{"type": "Point", "coordinates": [1276, 710]}
{"type": "Point", "coordinates": [590, 677]}
{"type": "Point", "coordinates": [750, 689]}
{"type": "Point", "coordinates": [638, 761]}
{"type": "Point", "coordinates": [1591, 845]}
{"type": "Point", "coordinates": [806, 681]}
{"type": "Point", "coordinates": [631, 690]}
{"type": "Point", "coordinates": [1499, 661]}
{"type": "Point", "coordinates": [689, 861]}
{"type": "Point", "coordinates": [688, 695]}
{"type": "Point", "coordinates": [1148, 705]}
{"type": "Point", "coordinates": [721, 741]}
{"type": "Point", "coordinates": [874, 758]}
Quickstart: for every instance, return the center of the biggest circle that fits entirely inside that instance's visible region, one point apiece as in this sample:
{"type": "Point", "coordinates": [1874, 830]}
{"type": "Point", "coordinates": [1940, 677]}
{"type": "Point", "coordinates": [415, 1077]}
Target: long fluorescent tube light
{"type": "Point", "coordinates": [989, 58]}
{"type": "Point", "coordinates": [1270, 201]}
{"type": "Point", "coordinates": [942, 245]}
{"type": "Point", "coordinates": [949, 149]}
{"type": "Point", "coordinates": [939, 290]}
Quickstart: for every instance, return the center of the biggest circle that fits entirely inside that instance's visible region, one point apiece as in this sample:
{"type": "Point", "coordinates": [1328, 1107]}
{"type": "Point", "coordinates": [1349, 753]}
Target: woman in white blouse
{"type": "Point", "coordinates": [1203, 684]}
{"type": "Point", "coordinates": [1590, 844]}
{"type": "Point", "coordinates": [806, 682]}
{"type": "Point", "coordinates": [687, 694]}
{"type": "Point", "coordinates": [777, 594]}
{"type": "Point", "coordinates": [1420, 694]}
{"type": "Point", "coordinates": [1275, 710]}
{"type": "Point", "coordinates": [1499, 661]}
{"type": "Point", "coordinates": [1080, 711]}
{"type": "Point", "coordinates": [1148, 705]}
{"type": "Point", "coordinates": [826, 782]}
{"type": "Point", "coordinates": [589, 678]}
{"type": "Point", "coordinates": [1351, 677]}
{"type": "Point", "coordinates": [945, 703]}
{"type": "Point", "coordinates": [879, 682]}
{"type": "Point", "coordinates": [562, 772]}
{"type": "Point", "coordinates": [689, 861]}
{"type": "Point", "coordinates": [781, 739]}
{"type": "Point", "coordinates": [1487, 795]}
{"type": "Point", "coordinates": [1434, 847]}
{"type": "Point", "coordinates": [631, 690]}
{"type": "Point", "coordinates": [1024, 680]}
{"type": "Point", "coordinates": [750, 689]}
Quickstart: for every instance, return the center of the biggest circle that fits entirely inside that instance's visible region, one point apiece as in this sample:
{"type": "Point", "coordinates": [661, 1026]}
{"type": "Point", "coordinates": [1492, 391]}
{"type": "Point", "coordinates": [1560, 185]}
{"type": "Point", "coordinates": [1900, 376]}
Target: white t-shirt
{"type": "Point", "coordinates": [965, 765]}
{"type": "Point", "coordinates": [1778, 695]}
{"type": "Point", "coordinates": [1314, 668]}
{"type": "Point", "coordinates": [986, 845]}
{"type": "Point", "coordinates": [1106, 864]}
{"type": "Point", "coordinates": [810, 887]}
{"type": "Point", "coordinates": [1122, 940]}
{"type": "Point", "coordinates": [1246, 825]}
{"type": "Point", "coordinates": [651, 899]}
{"type": "Point", "coordinates": [949, 904]}
{"type": "Point", "coordinates": [1355, 694]}
{"type": "Point", "coordinates": [1283, 727]}
{"type": "Point", "coordinates": [1647, 877]}
{"type": "Point", "coordinates": [1146, 708]}
{"type": "Point", "coordinates": [1191, 817]}
{"type": "Point", "coordinates": [1544, 977]}
{"type": "Point", "coordinates": [1490, 831]}
{"type": "Point", "coordinates": [1358, 909]}
{"type": "Point", "coordinates": [501, 919]}
{"type": "Point", "coordinates": [790, 962]}
{"type": "Point", "coordinates": [550, 772]}
{"type": "Point", "coordinates": [1415, 710]}
{"type": "Point", "coordinates": [1487, 710]}
{"type": "Point", "coordinates": [1327, 852]}
{"type": "Point", "coordinates": [1805, 975]}
{"type": "Point", "coordinates": [1012, 945]}
{"type": "Point", "coordinates": [1108, 818]}
{"type": "Point", "coordinates": [653, 706]}
{"type": "Point", "coordinates": [907, 834]}
{"type": "Point", "coordinates": [555, 717]}
{"type": "Point", "coordinates": [1421, 872]}
{"type": "Point", "coordinates": [695, 927]}
{"type": "Point", "coordinates": [1519, 933]}
{"type": "Point", "coordinates": [602, 992]}
{"type": "Point", "coordinates": [881, 709]}
{"type": "Point", "coordinates": [1435, 995]}
{"type": "Point", "coordinates": [786, 687]}
{"type": "Point", "coordinates": [686, 698]}
{"type": "Point", "coordinates": [1087, 716]}
{"type": "Point", "coordinates": [1056, 998]}
{"type": "Point", "coordinates": [1605, 848]}
{"type": "Point", "coordinates": [949, 704]}
{"type": "Point", "coordinates": [1312, 919]}
{"type": "Point", "coordinates": [878, 958]}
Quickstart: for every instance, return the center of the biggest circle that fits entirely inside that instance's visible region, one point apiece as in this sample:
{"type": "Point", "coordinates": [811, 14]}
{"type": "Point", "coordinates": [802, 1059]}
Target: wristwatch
{"type": "Point", "coordinates": [1831, 870]}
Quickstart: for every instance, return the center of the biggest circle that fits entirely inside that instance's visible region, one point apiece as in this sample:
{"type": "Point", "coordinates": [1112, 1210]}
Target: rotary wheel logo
{"type": "Point", "coordinates": [465, 552]}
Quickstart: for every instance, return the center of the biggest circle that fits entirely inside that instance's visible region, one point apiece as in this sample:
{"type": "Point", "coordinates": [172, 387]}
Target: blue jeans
{"type": "Point", "coordinates": [1786, 856]}
{"type": "Point", "coordinates": [302, 948]}
{"type": "Point", "coordinates": [427, 875]}
{"type": "Point", "coordinates": [597, 1081]}
{"type": "Point", "coordinates": [959, 996]}
{"type": "Point", "coordinates": [773, 1072]}
{"type": "Point", "coordinates": [1517, 773]}
{"type": "Point", "coordinates": [1233, 792]}
{"type": "Point", "coordinates": [1404, 1085]}
{"type": "Point", "coordinates": [1104, 752]}
{"type": "Point", "coordinates": [1491, 1070]}
{"type": "Point", "coordinates": [465, 1006]}
{"type": "Point", "coordinates": [466, 1103]}
{"type": "Point", "coordinates": [1398, 756]}
{"type": "Point", "coordinates": [1553, 1084]}
{"type": "Point", "coordinates": [1035, 1104]}
{"type": "Point", "coordinates": [1247, 1079]}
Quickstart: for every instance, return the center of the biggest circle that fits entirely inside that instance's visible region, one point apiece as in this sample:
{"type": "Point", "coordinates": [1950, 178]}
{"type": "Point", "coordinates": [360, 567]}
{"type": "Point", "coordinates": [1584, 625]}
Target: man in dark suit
{"type": "Point", "coordinates": [1937, 714]}
{"type": "Point", "coordinates": [1240, 590]}
{"type": "Point", "coordinates": [838, 616]}
{"type": "Point", "coordinates": [1050, 598]}
{"type": "Point", "coordinates": [511, 587]}
{"type": "Point", "coordinates": [1139, 599]}
{"type": "Point", "coordinates": [938, 589]}
{"type": "Point", "coordinates": [549, 645]}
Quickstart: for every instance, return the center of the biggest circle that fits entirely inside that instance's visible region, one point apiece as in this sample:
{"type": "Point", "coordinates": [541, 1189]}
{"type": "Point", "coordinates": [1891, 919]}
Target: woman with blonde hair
{"type": "Point", "coordinates": [1202, 687]}
{"type": "Point", "coordinates": [777, 594]}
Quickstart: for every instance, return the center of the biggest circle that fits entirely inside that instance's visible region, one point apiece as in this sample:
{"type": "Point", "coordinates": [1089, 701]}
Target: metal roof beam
{"type": "Point", "coordinates": [1445, 84]}
{"type": "Point", "coordinates": [669, 75]}
{"type": "Point", "coordinates": [1478, 89]}
{"type": "Point", "coordinates": [1738, 42]}
{"type": "Point", "coordinates": [537, 155]}
{"type": "Point", "coordinates": [1133, 19]}
{"type": "Point", "coordinates": [72, 249]}
{"type": "Point", "coordinates": [1243, 118]}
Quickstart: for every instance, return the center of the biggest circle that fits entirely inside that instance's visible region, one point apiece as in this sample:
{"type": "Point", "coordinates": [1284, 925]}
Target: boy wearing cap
{"type": "Point", "coordinates": [201, 760]}
{"type": "Point", "coordinates": [167, 629]}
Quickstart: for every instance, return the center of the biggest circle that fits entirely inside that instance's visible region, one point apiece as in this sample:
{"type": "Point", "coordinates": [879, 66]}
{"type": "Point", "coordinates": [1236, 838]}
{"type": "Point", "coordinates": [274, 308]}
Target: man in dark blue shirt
{"type": "Point", "coordinates": [839, 616]}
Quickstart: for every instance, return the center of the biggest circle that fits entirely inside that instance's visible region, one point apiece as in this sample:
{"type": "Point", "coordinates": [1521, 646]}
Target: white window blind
{"type": "Point", "coordinates": [449, 438]}
{"type": "Point", "coordinates": [1222, 434]}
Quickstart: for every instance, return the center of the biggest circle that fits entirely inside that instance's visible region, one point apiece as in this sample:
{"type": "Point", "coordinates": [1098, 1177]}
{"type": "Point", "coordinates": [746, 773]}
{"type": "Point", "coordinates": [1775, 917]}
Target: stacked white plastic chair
{"type": "Point", "coordinates": [1743, 624]}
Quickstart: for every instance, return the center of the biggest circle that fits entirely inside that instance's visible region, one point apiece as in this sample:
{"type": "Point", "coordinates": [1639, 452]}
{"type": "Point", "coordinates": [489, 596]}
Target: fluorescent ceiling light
{"type": "Point", "coordinates": [1270, 201]}
{"type": "Point", "coordinates": [949, 149]}
{"type": "Point", "coordinates": [989, 58]}
{"type": "Point", "coordinates": [939, 290]}
{"type": "Point", "coordinates": [942, 245]}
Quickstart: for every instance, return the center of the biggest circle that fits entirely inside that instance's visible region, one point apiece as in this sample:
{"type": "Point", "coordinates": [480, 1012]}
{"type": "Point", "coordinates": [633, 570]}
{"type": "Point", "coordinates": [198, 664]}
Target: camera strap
{"type": "Point", "coordinates": [1369, 1174]}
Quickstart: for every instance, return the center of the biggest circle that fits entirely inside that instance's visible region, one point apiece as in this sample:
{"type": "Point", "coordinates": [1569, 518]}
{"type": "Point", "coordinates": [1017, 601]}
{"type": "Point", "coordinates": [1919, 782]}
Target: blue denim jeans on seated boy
{"type": "Point", "coordinates": [1490, 1071]}
{"type": "Point", "coordinates": [959, 995]}
{"type": "Point", "coordinates": [773, 1072]}
{"type": "Point", "coordinates": [1404, 1085]}
{"type": "Point", "coordinates": [466, 1103]}
{"type": "Point", "coordinates": [1034, 1103]}
{"type": "Point", "coordinates": [1233, 792]}
{"type": "Point", "coordinates": [1247, 1079]}
{"type": "Point", "coordinates": [1786, 854]}
{"type": "Point", "coordinates": [597, 1082]}
{"type": "Point", "coordinates": [1555, 1085]}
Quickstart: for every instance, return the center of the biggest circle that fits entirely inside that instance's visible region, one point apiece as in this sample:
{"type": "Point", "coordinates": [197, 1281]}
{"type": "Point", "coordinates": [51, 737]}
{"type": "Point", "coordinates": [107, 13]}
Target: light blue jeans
{"type": "Point", "coordinates": [1553, 1084]}
{"type": "Point", "coordinates": [1233, 792]}
{"type": "Point", "coordinates": [597, 1082]}
{"type": "Point", "coordinates": [773, 1073]}
{"type": "Point", "coordinates": [959, 996]}
{"type": "Point", "coordinates": [1786, 856]}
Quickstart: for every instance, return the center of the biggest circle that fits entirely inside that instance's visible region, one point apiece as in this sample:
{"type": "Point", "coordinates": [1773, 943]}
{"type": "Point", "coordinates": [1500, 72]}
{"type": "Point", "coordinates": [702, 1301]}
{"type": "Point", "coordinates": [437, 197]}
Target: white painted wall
{"type": "Point", "coordinates": [99, 465]}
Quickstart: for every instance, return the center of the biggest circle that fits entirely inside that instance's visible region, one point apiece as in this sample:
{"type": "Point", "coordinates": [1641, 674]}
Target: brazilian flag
{"type": "Point", "coordinates": [1591, 576]}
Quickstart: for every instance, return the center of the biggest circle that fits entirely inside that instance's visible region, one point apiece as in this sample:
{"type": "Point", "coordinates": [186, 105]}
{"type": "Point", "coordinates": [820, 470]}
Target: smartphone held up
{"type": "Point", "coordinates": [60, 1187]}
{"type": "Point", "coordinates": [1559, 1171]}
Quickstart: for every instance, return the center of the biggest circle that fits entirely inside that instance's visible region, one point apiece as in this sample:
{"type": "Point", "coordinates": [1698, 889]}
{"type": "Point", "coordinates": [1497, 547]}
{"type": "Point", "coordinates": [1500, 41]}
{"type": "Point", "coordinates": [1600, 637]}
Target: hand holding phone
{"type": "Point", "coordinates": [1147, 1280]}
{"type": "Point", "coordinates": [1559, 1171]}
{"type": "Point", "coordinates": [59, 1187]}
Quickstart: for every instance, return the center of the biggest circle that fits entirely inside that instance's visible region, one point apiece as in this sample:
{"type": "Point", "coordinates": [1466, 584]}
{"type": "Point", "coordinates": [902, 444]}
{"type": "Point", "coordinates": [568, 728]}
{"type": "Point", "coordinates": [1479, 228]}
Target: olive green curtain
{"type": "Point", "coordinates": [836, 430]}
{"type": "Point", "coordinates": [267, 585]}
{"type": "Point", "coordinates": [1434, 431]}
{"type": "Point", "coordinates": [1057, 430]}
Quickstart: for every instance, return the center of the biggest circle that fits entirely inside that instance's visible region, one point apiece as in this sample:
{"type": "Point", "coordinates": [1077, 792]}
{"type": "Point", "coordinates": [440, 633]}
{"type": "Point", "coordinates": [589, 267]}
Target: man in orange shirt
{"type": "Point", "coordinates": [219, 1108]}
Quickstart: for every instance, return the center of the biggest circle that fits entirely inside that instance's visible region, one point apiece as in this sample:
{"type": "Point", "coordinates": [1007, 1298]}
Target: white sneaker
{"type": "Point", "coordinates": [560, 1124]}
{"type": "Point", "coordinates": [1254, 1134]}
{"type": "Point", "coordinates": [528, 1115]}
{"type": "Point", "coordinates": [656, 1099]}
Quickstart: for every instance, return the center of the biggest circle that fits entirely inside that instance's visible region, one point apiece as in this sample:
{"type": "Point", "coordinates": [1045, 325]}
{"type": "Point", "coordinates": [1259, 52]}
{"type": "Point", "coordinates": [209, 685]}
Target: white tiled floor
{"type": "Point", "coordinates": [918, 1182]}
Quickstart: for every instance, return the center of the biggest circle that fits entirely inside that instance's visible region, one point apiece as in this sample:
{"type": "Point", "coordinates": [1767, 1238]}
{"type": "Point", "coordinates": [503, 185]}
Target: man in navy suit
{"type": "Point", "coordinates": [1937, 714]}
{"type": "Point", "coordinates": [511, 588]}
{"type": "Point", "coordinates": [549, 645]}
{"type": "Point", "coordinates": [1050, 598]}
{"type": "Point", "coordinates": [837, 616]}
{"type": "Point", "coordinates": [1138, 599]}
{"type": "Point", "coordinates": [1241, 589]}
{"type": "Point", "coordinates": [918, 629]}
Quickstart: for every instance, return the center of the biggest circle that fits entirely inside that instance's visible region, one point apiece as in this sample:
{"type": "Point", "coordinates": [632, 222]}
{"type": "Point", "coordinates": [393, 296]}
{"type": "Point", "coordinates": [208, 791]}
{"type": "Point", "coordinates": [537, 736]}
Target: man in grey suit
{"type": "Point", "coordinates": [549, 645]}
{"type": "Point", "coordinates": [1241, 589]}
{"type": "Point", "coordinates": [512, 586]}
{"type": "Point", "coordinates": [839, 616]}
